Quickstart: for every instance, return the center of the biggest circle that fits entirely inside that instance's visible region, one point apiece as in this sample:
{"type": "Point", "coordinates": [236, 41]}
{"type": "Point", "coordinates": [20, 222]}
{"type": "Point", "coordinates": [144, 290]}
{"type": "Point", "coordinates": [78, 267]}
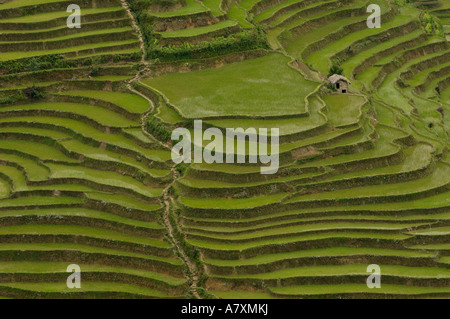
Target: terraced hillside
{"type": "Point", "coordinates": [81, 183]}
{"type": "Point", "coordinates": [363, 178]}
{"type": "Point", "coordinates": [86, 172]}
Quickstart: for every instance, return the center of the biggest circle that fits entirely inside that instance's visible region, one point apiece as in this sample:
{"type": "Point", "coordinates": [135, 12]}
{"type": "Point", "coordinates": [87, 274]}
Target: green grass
{"type": "Point", "coordinates": [98, 114]}
{"type": "Point", "coordinates": [438, 201]}
{"type": "Point", "coordinates": [23, 3]}
{"type": "Point", "coordinates": [297, 45]}
{"type": "Point", "coordinates": [445, 95]}
{"type": "Point", "coordinates": [321, 59]}
{"type": "Point", "coordinates": [81, 231]}
{"type": "Point", "coordinates": [84, 249]}
{"type": "Point", "coordinates": [420, 77]}
{"type": "Point", "coordinates": [35, 131]}
{"type": "Point", "coordinates": [238, 14]}
{"type": "Point", "coordinates": [225, 203]}
{"type": "Point", "coordinates": [112, 77]}
{"type": "Point", "coordinates": [104, 155]}
{"type": "Point", "coordinates": [50, 31]}
{"type": "Point", "coordinates": [434, 231]}
{"type": "Point", "coordinates": [238, 294]}
{"type": "Point", "coordinates": [274, 9]}
{"type": "Point", "coordinates": [91, 132]}
{"type": "Point", "coordinates": [353, 269]}
{"type": "Point", "coordinates": [354, 61]}
{"type": "Point", "coordinates": [196, 183]}
{"type": "Point", "coordinates": [77, 35]}
{"type": "Point", "coordinates": [83, 212]}
{"type": "Point", "coordinates": [4, 188]}
{"type": "Point", "coordinates": [131, 102]}
{"type": "Point", "coordinates": [20, 182]}
{"type": "Point", "coordinates": [185, 33]}
{"type": "Point", "coordinates": [67, 49]}
{"type": "Point", "coordinates": [16, 175]}
{"type": "Point", "coordinates": [389, 91]}
{"type": "Point", "coordinates": [296, 219]}
{"type": "Point", "coordinates": [123, 201]}
{"type": "Point", "coordinates": [356, 288]}
{"type": "Point", "coordinates": [317, 139]}
{"type": "Point", "coordinates": [34, 170]}
{"type": "Point", "coordinates": [214, 7]}
{"type": "Point", "coordinates": [264, 86]}
{"type": "Point", "coordinates": [41, 17]}
{"type": "Point", "coordinates": [39, 200]}
{"type": "Point", "coordinates": [36, 149]}
{"type": "Point", "coordinates": [167, 114]}
{"type": "Point", "coordinates": [323, 252]}
{"type": "Point", "coordinates": [285, 126]}
{"type": "Point", "coordinates": [228, 233]}
{"type": "Point", "coordinates": [102, 177]}
{"type": "Point", "coordinates": [384, 147]}
{"type": "Point", "coordinates": [343, 110]}
{"type": "Point", "coordinates": [278, 242]}
{"type": "Point", "coordinates": [430, 91]}
{"type": "Point", "coordinates": [116, 52]}
{"type": "Point", "coordinates": [417, 157]}
{"type": "Point", "coordinates": [438, 178]}
{"type": "Point", "coordinates": [191, 7]}
{"type": "Point", "coordinates": [432, 247]}
{"type": "Point", "coordinates": [138, 134]}
{"type": "Point", "coordinates": [61, 267]}
{"type": "Point", "coordinates": [105, 287]}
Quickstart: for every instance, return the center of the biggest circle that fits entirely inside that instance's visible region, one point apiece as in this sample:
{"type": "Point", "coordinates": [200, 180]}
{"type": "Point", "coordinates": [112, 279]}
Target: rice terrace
{"type": "Point", "coordinates": [93, 205]}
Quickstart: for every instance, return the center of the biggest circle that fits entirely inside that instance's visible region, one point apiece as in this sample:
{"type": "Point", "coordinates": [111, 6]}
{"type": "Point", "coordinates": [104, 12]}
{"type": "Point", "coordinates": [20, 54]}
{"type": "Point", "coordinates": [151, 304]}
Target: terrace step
{"type": "Point", "coordinates": [61, 31]}
{"type": "Point", "coordinates": [359, 291]}
{"type": "Point", "coordinates": [83, 38]}
{"type": "Point", "coordinates": [54, 19]}
{"type": "Point", "coordinates": [191, 7]}
{"type": "Point", "coordinates": [271, 14]}
{"type": "Point", "coordinates": [92, 289]}
{"type": "Point", "coordinates": [37, 271]}
{"type": "Point", "coordinates": [340, 274]}
{"type": "Point", "coordinates": [93, 136]}
{"type": "Point", "coordinates": [197, 35]}
{"type": "Point", "coordinates": [305, 33]}
{"type": "Point", "coordinates": [357, 37]}
{"type": "Point", "coordinates": [368, 58]}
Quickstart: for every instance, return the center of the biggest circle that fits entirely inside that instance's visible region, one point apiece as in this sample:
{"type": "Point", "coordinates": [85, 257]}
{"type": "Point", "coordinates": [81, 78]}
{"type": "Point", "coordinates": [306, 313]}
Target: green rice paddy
{"type": "Point", "coordinates": [363, 177]}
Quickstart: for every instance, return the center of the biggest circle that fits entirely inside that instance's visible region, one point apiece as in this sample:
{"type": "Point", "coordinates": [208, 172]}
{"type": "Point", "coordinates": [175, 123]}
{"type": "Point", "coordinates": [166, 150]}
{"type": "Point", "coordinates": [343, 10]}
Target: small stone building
{"type": "Point", "coordinates": [339, 82]}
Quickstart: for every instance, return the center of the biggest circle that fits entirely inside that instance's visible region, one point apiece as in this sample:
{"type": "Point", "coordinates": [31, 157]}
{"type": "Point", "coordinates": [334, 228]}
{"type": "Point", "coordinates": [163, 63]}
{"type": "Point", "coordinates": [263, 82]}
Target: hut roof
{"type": "Point", "coordinates": [336, 78]}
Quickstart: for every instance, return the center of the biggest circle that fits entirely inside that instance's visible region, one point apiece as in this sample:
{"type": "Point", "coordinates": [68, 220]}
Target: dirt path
{"type": "Point", "coordinates": [166, 199]}
{"type": "Point", "coordinates": [137, 29]}
{"type": "Point", "coordinates": [193, 270]}
{"type": "Point", "coordinates": [144, 62]}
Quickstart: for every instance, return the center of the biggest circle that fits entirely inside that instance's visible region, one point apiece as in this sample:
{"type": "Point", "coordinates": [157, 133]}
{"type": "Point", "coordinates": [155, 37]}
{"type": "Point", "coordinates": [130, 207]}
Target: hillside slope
{"type": "Point", "coordinates": [86, 175]}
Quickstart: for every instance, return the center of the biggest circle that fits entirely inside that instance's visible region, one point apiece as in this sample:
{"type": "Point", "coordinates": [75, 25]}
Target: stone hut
{"type": "Point", "coordinates": [339, 82]}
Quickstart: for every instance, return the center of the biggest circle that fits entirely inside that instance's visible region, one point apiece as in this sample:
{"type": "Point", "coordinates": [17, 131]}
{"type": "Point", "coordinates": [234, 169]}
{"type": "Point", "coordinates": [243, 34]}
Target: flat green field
{"type": "Point", "coordinates": [264, 86]}
{"type": "Point", "coordinates": [86, 174]}
{"type": "Point", "coordinates": [93, 287]}
{"type": "Point", "coordinates": [23, 3]}
{"type": "Point", "coordinates": [362, 288]}
{"type": "Point", "coordinates": [130, 102]}
{"type": "Point", "coordinates": [54, 15]}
